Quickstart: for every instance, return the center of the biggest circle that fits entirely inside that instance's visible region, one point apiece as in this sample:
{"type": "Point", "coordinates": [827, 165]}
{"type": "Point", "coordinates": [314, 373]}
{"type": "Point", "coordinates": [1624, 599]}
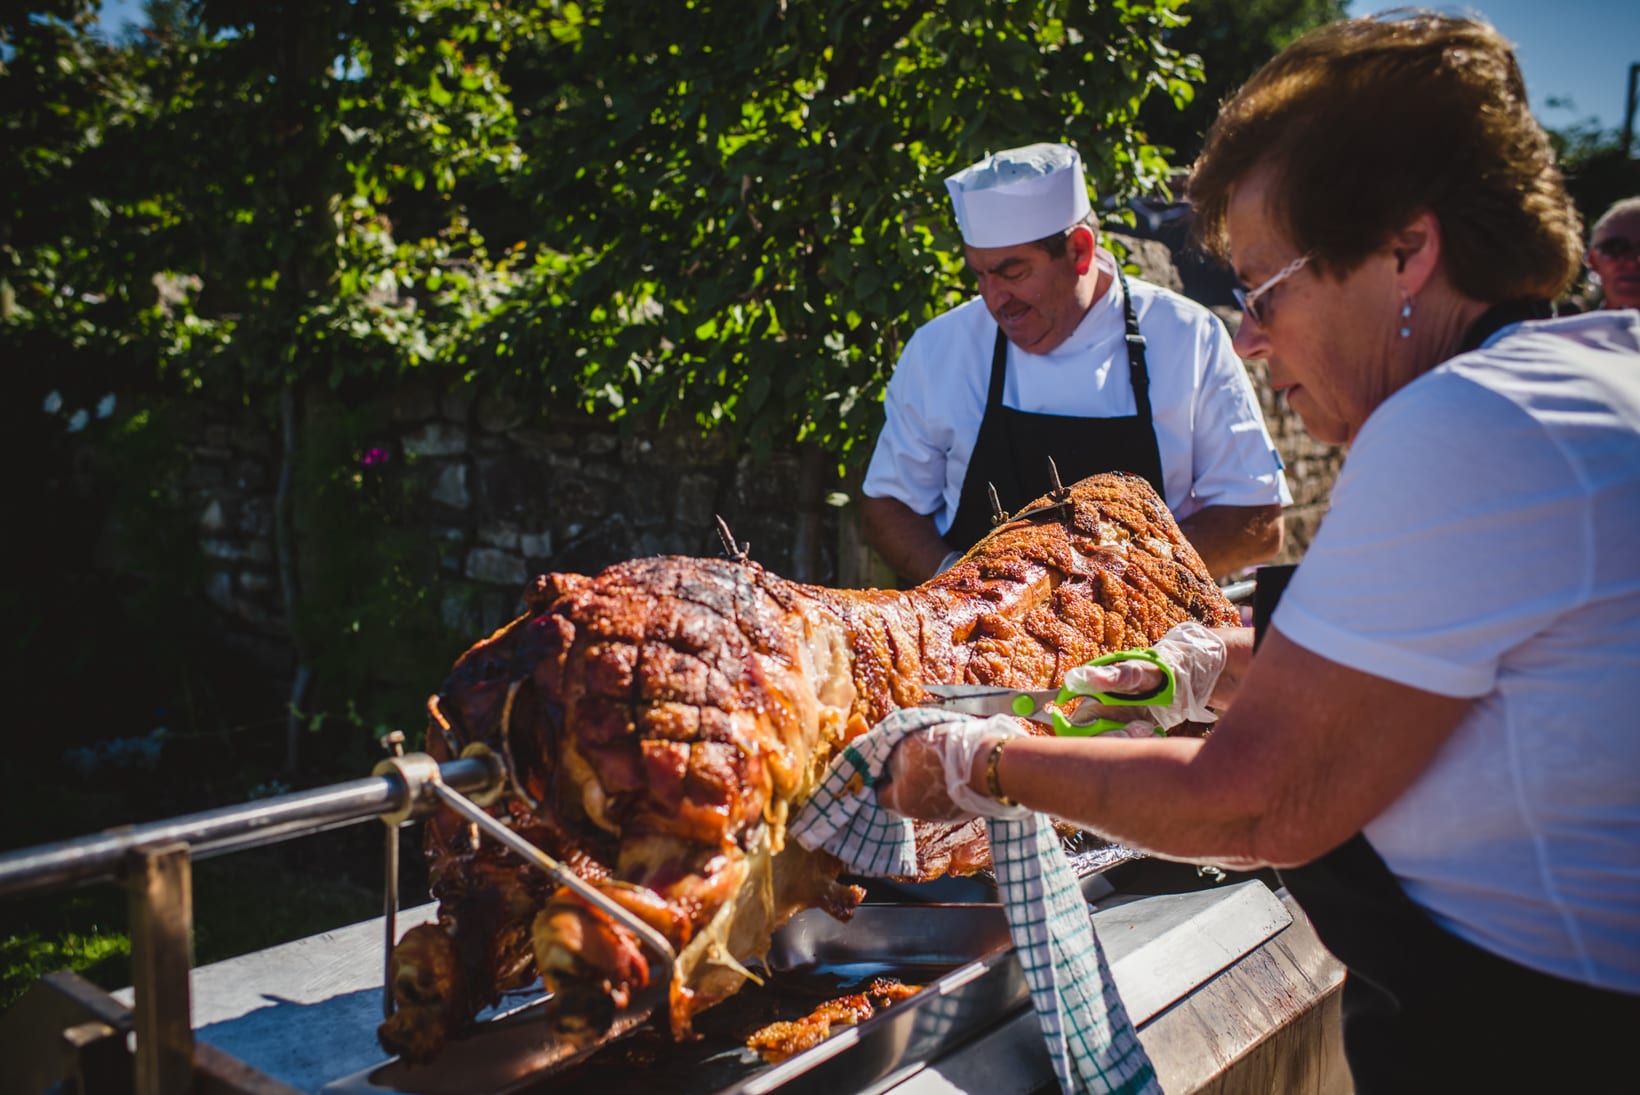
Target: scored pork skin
{"type": "Point", "coordinates": [663, 718]}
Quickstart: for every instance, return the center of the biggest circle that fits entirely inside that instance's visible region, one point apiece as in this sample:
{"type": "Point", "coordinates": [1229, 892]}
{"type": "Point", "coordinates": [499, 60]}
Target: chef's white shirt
{"type": "Point", "coordinates": [1214, 447]}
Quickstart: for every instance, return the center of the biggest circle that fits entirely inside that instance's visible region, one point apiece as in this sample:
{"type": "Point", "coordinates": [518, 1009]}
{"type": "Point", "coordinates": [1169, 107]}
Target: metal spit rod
{"type": "Point", "coordinates": [654, 940]}
{"type": "Point", "coordinates": [103, 855]}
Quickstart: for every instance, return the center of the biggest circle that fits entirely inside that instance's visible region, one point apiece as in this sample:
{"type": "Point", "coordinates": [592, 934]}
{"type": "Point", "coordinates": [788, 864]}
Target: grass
{"type": "Point", "coordinates": [102, 956]}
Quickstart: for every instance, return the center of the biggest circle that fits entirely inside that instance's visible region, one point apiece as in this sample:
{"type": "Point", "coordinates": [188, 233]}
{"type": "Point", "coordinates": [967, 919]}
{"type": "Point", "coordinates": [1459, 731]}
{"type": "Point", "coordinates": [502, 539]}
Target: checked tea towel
{"type": "Point", "coordinates": [1091, 1041]}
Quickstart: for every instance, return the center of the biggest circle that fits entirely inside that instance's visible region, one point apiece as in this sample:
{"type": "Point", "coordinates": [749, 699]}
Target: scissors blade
{"type": "Point", "coordinates": [984, 699]}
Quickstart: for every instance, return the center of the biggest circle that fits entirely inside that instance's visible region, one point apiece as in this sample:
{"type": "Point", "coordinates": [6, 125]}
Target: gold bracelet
{"type": "Point", "coordinates": [993, 780]}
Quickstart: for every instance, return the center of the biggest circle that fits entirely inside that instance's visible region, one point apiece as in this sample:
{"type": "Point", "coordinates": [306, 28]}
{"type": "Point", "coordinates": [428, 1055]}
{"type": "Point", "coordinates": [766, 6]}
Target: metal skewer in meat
{"type": "Point", "coordinates": [662, 719]}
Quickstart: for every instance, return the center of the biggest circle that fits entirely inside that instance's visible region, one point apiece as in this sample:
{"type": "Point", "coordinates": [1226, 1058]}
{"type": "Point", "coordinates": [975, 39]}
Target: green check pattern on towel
{"type": "Point", "coordinates": [1093, 1044]}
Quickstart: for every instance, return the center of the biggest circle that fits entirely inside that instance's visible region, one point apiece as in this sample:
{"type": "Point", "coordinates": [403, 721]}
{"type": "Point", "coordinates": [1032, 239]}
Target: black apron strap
{"type": "Point", "coordinates": [1138, 368]}
{"type": "Point", "coordinates": [1269, 583]}
{"type": "Point", "coordinates": [999, 372]}
{"type": "Point", "coordinates": [1012, 447]}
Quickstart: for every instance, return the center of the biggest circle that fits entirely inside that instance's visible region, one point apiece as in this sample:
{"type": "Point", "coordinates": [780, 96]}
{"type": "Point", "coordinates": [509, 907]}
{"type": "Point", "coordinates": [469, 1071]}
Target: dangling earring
{"type": "Point", "coordinates": [1406, 316]}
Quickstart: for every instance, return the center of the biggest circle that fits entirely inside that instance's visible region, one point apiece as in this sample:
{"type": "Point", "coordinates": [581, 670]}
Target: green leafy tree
{"type": "Point", "coordinates": [738, 211]}
{"type": "Point", "coordinates": [73, 332]}
{"type": "Point", "coordinates": [1232, 39]}
{"type": "Point", "coordinates": [703, 212]}
{"type": "Point", "coordinates": [252, 203]}
{"type": "Point", "coordinates": [1599, 169]}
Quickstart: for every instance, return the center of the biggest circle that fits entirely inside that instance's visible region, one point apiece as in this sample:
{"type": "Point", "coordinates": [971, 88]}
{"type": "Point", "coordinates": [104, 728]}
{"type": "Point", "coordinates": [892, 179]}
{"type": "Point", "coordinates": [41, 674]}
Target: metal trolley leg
{"type": "Point", "coordinates": [160, 888]}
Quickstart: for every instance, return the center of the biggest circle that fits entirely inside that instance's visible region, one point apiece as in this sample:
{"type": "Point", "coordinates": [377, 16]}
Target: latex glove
{"type": "Point", "coordinates": [1196, 656]}
{"type": "Point", "coordinates": [1141, 725]}
{"type": "Point", "coordinates": [948, 562]}
{"type": "Point", "coordinates": [929, 770]}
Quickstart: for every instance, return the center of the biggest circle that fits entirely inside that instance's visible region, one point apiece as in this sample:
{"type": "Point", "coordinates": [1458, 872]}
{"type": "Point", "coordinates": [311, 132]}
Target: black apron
{"type": "Point", "coordinates": [1425, 1011]}
{"type": "Point", "coordinates": [1012, 449]}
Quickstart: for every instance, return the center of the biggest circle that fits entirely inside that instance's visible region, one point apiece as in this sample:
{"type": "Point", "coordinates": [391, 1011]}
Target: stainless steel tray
{"type": "Point", "coordinates": [1160, 948]}
{"type": "Point", "coordinates": [305, 1012]}
{"type": "Point", "coordinates": [961, 954]}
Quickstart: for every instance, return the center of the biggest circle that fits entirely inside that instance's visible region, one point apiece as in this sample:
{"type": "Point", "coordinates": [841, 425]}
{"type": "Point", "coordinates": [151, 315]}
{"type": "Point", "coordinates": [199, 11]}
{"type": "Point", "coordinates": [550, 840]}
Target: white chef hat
{"type": "Point", "coordinates": [1019, 195]}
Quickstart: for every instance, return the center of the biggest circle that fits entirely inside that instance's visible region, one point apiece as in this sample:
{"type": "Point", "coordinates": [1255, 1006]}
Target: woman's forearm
{"type": "Point", "coordinates": [1153, 794]}
{"type": "Point", "coordinates": [1311, 752]}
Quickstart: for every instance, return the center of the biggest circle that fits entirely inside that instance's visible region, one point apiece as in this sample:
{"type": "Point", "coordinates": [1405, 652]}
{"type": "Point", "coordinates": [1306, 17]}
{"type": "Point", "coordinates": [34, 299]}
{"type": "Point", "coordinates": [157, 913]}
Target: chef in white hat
{"type": "Point", "coordinates": [1062, 356]}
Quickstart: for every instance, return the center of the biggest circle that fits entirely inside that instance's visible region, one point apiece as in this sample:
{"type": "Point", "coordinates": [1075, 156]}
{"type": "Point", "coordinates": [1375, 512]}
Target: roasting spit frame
{"type": "Point", "coordinates": [154, 862]}
{"type": "Point", "coordinates": [421, 773]}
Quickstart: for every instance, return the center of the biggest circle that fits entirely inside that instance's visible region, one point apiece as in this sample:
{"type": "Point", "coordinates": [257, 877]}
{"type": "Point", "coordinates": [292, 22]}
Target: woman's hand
{"type": "Point", "coordinates": [1194, 653]}
{"type": "Point", "coordinates": [933, 773]}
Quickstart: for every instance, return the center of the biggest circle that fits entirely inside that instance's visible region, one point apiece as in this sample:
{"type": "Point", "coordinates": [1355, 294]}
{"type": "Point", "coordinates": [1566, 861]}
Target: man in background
{"type": "Point", "coordinates": [1614, 254]}
{"type": "Point", "coordinates": [1062, 356]}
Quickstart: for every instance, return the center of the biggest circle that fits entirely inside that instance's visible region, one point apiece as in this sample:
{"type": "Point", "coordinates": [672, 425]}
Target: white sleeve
{"type": "Point", "coordinates": [908, 463]}
{"type": "Point", "coordinates": [1457, 530]}
{"type": "Point", "coordinates": [1233, 460]}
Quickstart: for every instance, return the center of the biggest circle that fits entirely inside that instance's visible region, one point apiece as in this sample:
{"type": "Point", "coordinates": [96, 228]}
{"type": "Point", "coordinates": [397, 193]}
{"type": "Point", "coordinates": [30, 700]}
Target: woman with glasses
{"type": "Point", "coordinates": [1437, 742]}
{"type": "Point", "coordinates": [1614, 254]}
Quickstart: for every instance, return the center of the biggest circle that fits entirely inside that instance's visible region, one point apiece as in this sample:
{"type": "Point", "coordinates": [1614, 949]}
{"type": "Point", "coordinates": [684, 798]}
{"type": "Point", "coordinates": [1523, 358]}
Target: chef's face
{"type": "Point", "coordinates": [1330, 342]}
{"type": "Point", "coordinates": [1037, 298]}
{"type": "Point", "coordinates": [1614, 254]}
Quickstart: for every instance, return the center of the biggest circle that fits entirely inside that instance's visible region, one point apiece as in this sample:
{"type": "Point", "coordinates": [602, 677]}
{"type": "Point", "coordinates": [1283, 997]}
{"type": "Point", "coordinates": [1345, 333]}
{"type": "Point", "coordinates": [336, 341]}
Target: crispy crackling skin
{"type": "Point", "coordinates": [663, 719]}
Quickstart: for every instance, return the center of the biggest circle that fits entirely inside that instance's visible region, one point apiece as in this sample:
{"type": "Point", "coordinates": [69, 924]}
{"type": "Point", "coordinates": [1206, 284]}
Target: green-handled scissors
{"type": "Point", "coordinates": [984, 699]}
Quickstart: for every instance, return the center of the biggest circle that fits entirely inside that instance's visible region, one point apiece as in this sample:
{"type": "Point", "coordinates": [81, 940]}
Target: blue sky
{"type": "Point", "coordinates": [1579, 50]}
{"type": "Point", "coordinates": [1575, 50]}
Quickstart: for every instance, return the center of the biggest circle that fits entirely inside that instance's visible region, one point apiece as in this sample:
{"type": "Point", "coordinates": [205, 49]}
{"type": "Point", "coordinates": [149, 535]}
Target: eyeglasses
{"type": "Point", "coordinates": [1617, 248]}
{"type": "Point", "coordinates": [1251, 299]}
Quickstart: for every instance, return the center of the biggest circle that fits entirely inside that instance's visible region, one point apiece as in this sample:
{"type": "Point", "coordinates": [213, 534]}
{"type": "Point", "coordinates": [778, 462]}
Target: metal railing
{"type": "Point", "coordinates": [154, 862]}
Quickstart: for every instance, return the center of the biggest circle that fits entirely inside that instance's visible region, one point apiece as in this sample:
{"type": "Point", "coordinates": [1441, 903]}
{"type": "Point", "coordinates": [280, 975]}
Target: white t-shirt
{"type": "Point", "coordinates": [1484, 541]}
{"type": "Point", "coordinates": [1214, 447]}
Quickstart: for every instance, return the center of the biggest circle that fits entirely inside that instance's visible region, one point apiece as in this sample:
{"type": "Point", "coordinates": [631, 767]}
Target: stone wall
{"type": "Point", "coordinates": [503, 494]}
{"type": "Point", "coordinates": [229, 484]}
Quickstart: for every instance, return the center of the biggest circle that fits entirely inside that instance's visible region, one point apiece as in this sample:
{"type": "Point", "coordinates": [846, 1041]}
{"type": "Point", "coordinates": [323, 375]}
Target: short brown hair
{"type": "Point", "coordinates": [1368, 123]}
